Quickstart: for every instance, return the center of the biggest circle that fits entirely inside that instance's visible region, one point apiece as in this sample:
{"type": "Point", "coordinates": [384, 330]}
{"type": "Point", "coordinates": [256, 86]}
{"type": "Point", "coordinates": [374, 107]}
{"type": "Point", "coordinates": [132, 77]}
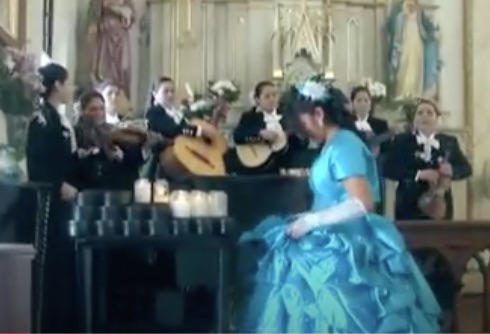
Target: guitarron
{"type": "Point", "coordinates": [195, 155]}
{"type": "Point", "coordinates": [260, 154]}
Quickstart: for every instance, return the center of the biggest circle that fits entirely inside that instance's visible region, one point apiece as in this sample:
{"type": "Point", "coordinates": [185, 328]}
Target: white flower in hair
{"type": "Point", "coordinates": [313, 90]}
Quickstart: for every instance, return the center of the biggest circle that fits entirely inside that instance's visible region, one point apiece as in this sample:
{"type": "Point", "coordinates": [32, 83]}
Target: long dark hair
{"type": "Point", "coordinates": [333, 107]}
{"type": "Point", "coordinates": [52, 74]}
{"type": "Point", "coordinates": [154, 87]}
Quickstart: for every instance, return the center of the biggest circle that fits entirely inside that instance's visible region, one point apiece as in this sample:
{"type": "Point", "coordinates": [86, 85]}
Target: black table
{"type": "Point", "coordinates": [91, 265]}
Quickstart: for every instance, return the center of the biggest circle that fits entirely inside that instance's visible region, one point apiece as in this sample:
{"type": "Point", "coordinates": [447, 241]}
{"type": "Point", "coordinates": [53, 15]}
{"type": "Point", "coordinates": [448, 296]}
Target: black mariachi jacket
{"type": "Point", "coordinates": [48, 151]}
{"type": "Point", "coordinates": [161, 122]}
{"type": "Point", "coordinates": [98, 171]}
{"type": "Point", "coordinates": [252, 122]}
{"type": "Point", "coordinates": [403, 161]}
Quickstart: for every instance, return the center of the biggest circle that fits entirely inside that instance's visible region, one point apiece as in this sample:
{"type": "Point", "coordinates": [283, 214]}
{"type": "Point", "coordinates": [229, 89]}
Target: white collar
{"type": "Point", "coordinates": [431, 140]}
{"type": "Point", "coordinates": [175, 113]}
{"type": "Point", "coordinates": [363, 124]}
{"type": "Point", "coordinates": [428, 143]}
{"type": "Point", "coordinates": [271, 116]}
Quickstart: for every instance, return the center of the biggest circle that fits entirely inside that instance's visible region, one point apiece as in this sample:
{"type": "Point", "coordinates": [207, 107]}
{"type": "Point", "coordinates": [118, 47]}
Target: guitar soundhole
{"type": "Point", "coordinates": [200, 157]}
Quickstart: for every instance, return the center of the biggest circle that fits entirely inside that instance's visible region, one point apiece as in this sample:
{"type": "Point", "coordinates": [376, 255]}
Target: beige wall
{"type": "Point", "coordinates": [465, 48]}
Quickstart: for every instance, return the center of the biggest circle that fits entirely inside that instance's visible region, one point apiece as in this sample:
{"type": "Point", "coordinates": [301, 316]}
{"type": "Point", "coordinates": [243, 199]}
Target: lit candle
{"type": "Point", "coordinates": [179, 204]}
{"type": "Point", "coordinates": [161, 191]}
{"type": "Point", "coordinates": [218, 204]}
{"type": "Point", "coordinates": [142, 191]}
{"type": "Point", "coordinates": [199, 204]}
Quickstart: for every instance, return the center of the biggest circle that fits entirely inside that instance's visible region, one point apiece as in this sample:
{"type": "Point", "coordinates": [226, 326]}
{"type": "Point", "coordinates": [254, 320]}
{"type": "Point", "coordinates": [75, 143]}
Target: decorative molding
{"type": "Point", "coordinates": [6, 38]}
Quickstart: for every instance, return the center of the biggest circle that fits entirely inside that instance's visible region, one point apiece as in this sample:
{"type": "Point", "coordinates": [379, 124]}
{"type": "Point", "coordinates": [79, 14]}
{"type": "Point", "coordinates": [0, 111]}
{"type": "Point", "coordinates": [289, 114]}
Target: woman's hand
{"type": "Point", "coordinates": [268, 135]}
{"type": "Point", "coordinates": [429, 175]}
{"type": "Point", "coordinates": [446, 169]}
{"type": "Point", "coordinates": [208, 131]}
{"type": "Point", "coordinates": [298, 228]}
{"type": "Point", "coordinates": [117, 154]}
{"type": "Point", "coordinates": [68, 192]}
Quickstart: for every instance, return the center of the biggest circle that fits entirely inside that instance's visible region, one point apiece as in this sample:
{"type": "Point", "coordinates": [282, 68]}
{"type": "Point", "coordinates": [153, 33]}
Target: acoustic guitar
{"type": "Point", "coordinates": [195, 155]}
{"type": "Point", "coordinates": [259, 154]}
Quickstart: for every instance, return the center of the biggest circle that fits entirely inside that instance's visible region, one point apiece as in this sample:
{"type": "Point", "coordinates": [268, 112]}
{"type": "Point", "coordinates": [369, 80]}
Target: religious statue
{"type": "Point", "coordinates": [108, 34]}
{"type": "Point", "coordinates": [413, 58]}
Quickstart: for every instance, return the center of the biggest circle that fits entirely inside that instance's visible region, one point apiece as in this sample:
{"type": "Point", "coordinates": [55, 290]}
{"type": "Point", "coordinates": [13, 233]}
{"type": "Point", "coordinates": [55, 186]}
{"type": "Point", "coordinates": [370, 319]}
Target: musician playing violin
{"type": "Point", "coordinates": [104, 164]}
{"type": "Point", "coordinates": [422, 157]}
{"type": "Point", "coordinates": [422, 160]}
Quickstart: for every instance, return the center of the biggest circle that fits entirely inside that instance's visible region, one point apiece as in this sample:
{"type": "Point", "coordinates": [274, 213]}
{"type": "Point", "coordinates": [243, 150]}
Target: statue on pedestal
{"type": "Point", "coordinates": [108, 36]}
{"type": "Point", "coordinates": [413, 51]}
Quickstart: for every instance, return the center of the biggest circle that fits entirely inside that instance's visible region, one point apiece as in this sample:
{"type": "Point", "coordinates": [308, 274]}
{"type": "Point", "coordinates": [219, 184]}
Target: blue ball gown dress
{"type": "Point", "coordinates": [353, 277]}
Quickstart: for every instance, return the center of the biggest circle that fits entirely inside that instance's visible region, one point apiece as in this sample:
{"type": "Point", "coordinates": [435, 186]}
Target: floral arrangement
{"type": "Point", "coordinates": [20, 82]}
{"type": "Point", "coordinates": [376, 89]}
{"type": "Point", "coordinates": [224, 89]}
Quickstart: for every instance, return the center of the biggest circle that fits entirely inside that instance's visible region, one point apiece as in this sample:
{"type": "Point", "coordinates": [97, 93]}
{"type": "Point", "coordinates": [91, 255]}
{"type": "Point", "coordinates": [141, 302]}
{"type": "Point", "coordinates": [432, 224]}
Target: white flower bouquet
{"type": "Point", "coordinates": [226, 90]}
{"type": "Point", "coordinates": [376, 89]}
{"type": "Point", "coordinates": [20, 82]}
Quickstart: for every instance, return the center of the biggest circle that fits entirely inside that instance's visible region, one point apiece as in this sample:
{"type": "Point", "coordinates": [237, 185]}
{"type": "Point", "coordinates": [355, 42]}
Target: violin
{"type": "Point", "coordinates": [106, 136]}
{"type": "Point", "coordinates": [432, 203]}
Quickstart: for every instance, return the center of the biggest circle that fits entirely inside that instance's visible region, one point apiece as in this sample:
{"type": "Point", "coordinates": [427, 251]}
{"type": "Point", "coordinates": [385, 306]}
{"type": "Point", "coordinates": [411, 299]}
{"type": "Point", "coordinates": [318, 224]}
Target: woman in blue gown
{"type": "Point", "coordinates": [338, 268]}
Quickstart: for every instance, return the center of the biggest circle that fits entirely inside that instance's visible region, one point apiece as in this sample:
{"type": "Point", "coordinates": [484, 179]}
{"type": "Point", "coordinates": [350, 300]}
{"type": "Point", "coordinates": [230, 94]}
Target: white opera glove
{"type": "Point", "coordinates": [345, 211]}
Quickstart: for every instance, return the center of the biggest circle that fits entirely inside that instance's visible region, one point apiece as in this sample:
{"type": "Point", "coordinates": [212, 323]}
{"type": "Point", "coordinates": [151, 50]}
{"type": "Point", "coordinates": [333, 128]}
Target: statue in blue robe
{"type": "Point", "coordinates": [413, 52]}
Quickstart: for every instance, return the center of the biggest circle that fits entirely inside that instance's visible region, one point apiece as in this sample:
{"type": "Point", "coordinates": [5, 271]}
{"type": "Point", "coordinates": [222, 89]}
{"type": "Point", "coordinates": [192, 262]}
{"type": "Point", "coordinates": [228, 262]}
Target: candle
{"type": "Point", "coordinates": [277, 74]}
{"type": "Point", "coordinates": [179, 204]}
{"type": "Point", "coordinates": [218, 204]}
{"type": "Point", "coordinates": [142, 191]}
{"type": "Point", "coordinates": [161, 191]}
{"type": "Point", "coordinates": [199, 204]}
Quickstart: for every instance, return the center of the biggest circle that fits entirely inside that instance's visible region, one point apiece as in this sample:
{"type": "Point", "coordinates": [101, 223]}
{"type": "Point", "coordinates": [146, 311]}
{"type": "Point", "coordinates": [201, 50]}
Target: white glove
{"type": "Point", "coordinates": [349, 209]}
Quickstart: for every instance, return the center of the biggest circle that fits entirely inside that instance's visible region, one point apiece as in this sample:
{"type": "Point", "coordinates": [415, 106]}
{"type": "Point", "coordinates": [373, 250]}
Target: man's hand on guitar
{"type": "Point", "coordinates": [268, 135]}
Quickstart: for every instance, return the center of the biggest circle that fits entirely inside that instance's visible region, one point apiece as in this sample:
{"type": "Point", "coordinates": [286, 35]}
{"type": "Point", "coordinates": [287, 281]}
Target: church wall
{"type": "Point", "coordinates": [237, 45]}
{"type": "Point", "coordinates": [479, 112]}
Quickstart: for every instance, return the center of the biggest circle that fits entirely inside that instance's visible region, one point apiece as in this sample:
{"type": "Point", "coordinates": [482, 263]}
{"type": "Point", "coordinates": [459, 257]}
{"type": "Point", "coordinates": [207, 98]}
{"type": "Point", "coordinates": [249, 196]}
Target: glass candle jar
{"type": "Point", "coordinates": [218, 204]}
{"type": "Point", "coordinates": [142, 191]}
{"type": "Point", "coordinates": [199, 204]}
{"type": "Point", "coordinates": [180, 204]}
{"type": "Point", "coordinates": [161, 191]}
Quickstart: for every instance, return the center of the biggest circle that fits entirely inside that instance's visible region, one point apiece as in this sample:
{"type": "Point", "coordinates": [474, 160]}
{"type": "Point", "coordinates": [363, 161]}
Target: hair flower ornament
{"type": "Point", "coordinates": [312, 90]}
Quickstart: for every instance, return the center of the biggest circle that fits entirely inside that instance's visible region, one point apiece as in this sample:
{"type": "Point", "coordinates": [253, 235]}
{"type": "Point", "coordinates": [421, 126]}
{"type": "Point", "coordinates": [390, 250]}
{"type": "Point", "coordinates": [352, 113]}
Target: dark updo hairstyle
{"type": "Point", "coordinates": [88, 97]}
{"type": "Point", "coordinates": [333, 107]}
{"type": "Point", "coordinates": [154, 87]}
{"type": "Point", "coordinates": [259, 88]}
{"type": "Point", "coordinates": [52, 74]}
{"type": "Point", "coordinates": [360, 89]}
